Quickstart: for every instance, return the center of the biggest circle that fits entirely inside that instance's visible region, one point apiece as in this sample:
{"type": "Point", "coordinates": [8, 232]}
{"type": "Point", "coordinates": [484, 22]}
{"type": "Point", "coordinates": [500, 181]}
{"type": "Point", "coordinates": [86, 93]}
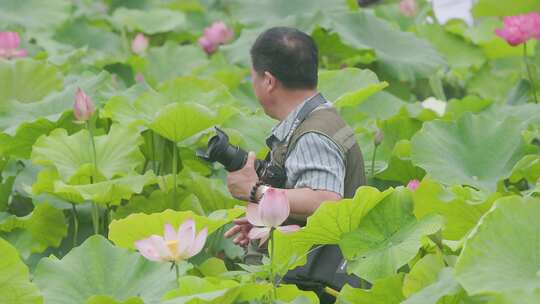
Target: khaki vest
{"type": "Point", "coordinates": [327, 122]}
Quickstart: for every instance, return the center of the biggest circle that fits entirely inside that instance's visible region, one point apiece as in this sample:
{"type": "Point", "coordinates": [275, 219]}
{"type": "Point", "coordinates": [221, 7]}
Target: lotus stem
{"type": "Point", "coordinates": [174, 169]}
{"type": "Point", "coordinates": [527, 65]}
{"type": "Point", "coordinates": [154, 161]}
{"type": "Point", "coordinates": [75, 224]}
{"type": "Point", "coordinates": [272, 275]}
{"type": "Point", "coordinates": [331, 292]}
{"type": "Point", "coordinates": [177, 271]}
{"type": "Point", "coordinates": [95, 207]}
{"type": "Point", "coordinates": [373, 161]}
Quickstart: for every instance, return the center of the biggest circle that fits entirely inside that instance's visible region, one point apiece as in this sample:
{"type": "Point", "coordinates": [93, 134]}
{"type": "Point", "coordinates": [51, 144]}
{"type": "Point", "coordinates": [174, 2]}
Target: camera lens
{"type": "Point", "coordinates": [219, 149]}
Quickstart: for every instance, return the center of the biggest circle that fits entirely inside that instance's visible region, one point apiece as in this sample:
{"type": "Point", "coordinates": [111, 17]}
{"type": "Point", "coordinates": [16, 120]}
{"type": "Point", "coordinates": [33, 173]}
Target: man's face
{"type": "Point", "coordinates": [262, 86]}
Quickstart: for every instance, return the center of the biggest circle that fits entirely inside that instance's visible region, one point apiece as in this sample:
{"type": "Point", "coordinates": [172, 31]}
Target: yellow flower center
{"type": "Point", "coordinates": [173, 247]}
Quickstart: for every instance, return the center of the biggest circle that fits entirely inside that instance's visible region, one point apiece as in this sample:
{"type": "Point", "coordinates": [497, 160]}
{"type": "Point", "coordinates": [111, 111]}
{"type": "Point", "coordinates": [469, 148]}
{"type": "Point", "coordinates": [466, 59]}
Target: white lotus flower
{"type": "Point", "coordinates": [435, 105]}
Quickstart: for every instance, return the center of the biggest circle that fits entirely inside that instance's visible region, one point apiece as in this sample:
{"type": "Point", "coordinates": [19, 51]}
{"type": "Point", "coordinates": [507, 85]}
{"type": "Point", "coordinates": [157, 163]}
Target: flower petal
{"type": "Point", "coordinates": [154, 249]}
{"type": "Point", "coordinates": [259, 233]}
{"type": "Point", "coordinates": [186, 236]}
{"type": "Point", "coordinates": [198, 243]}
{"type": "Point", "coordinates": [274, 207]}
{"type": "Point", "coordinates": [252, 215]}
{"type": "Point", "coordinates": [170, 233]}
{"type": "Point", "coordinates": [288, 228]}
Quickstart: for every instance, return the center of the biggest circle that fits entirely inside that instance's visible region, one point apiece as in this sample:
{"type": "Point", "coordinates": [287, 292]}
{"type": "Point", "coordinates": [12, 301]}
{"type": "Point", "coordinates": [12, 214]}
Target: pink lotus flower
{"type": "Point", "coordinates": [139, 44]}
{"type": "Point", "coordinates": [173, 246]}
{"type": "Point", "coordinates": [9, 42]}
{"type": "Point", "coordinates": [214, 35]}
{"type": "Point", "coordinates": [139, 77]}
{"type": "Point", "coordinates": [413, 184]}
{"type": "Point", "coordinates": [83, 108]}
{"type": "Point", "coordinates": [207, 45]}
{"type": "Point", "coordinates": [270, 213]}
{"type": "Point", "coordinates": [408, 7]}
{"type": "Point", "coordinates": [519, 29]}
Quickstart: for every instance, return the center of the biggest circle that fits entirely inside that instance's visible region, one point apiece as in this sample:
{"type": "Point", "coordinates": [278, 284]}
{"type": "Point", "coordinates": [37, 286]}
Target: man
{"type": "Point", "coordinates": [314, 145]}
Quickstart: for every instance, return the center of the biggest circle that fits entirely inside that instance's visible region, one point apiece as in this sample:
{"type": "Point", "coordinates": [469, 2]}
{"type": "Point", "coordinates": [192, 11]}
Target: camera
{"type": "Point", "coordinates": [234, 158]}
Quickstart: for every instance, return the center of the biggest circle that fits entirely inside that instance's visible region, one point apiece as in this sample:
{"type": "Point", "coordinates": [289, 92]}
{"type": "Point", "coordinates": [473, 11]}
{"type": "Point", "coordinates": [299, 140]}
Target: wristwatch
{"type": "Point", "coordinates": [257, 192]}
{"type": "Point", "coordinates": [260, 192]}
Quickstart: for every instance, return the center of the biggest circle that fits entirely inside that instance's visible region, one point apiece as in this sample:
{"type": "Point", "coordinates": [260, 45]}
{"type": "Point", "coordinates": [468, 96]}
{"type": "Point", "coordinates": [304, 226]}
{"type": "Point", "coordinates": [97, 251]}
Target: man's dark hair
{"type": "Point", "coordinates": [288, 54]}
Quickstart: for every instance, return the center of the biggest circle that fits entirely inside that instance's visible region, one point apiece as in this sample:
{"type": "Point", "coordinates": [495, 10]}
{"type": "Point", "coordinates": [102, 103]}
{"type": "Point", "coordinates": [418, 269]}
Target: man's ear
{"type": "Point", "coordinates": [270, 81]}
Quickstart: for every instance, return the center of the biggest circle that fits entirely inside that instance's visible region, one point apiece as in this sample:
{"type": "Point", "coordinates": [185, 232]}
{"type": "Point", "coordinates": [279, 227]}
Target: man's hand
{"type": "Point", "coordinates": [241, 181]}
{"type": "Point", "coordinates": [241, 228]}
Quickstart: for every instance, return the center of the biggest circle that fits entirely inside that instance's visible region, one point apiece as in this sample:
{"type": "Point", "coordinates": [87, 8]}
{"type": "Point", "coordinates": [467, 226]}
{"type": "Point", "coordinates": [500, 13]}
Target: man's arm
{"type": "Point", "coordinates": [316, 167]}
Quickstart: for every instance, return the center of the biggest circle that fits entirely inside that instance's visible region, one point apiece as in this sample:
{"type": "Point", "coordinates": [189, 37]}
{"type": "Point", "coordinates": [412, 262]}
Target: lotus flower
{"type": "Point", "coordinates": [173, 246]}
{"type": "Point", "coordinates": [83, 108]}
{"type": "Point", "coordinates": [270, 213]}
{"type": "Point", "coordinates": [408, 7]}
{"type": "Point", "coordinates": [9, 42]}
{"type": "Point", "coordinates": [214, 35]}
{"type": "Point", "coordinates": [519, 29]}
{"type": "Point", "coordinates": [413, 184]}
{"type": "Point", "coordinates": [207, 45]}
{"type": "Point", "coordinates": [139, 44]}
{"type": "Point", "coordinates": [435, 105]}
{"type": "Point", "coordinates": [139, 77]}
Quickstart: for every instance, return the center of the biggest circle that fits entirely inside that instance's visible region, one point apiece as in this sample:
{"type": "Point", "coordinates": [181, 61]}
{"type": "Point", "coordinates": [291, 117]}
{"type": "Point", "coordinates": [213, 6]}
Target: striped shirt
{"type": "Point", "coordinates": [315, 161]}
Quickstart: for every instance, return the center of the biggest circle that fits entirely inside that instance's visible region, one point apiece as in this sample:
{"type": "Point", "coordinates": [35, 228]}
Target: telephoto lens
{"type": "Point", "coordinates": [219, 149]}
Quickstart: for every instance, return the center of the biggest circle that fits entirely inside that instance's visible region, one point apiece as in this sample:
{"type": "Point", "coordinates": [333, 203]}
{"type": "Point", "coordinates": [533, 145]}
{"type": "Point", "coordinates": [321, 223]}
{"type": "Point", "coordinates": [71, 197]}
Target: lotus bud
{"type": "Point", "coordinates": [139, 44]}
{"type": "Point", "coordinates": [83, 108]}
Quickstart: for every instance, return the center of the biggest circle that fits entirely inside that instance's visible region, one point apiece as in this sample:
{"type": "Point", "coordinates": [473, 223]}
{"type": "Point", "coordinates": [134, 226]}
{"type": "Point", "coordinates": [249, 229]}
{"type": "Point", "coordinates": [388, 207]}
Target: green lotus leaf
{"type": "Point", "coordinates": [110, 192]}
{"type": "Point", "coordinates": [149, 21]}
{"type": "Point", "coordinates": [384, 291]}
{"type": "Point", "coordinates": [457, 107]}
{"type": "Point", "coordinates": [145, 109]}
{"type": "Point", "coordinates": [97, 268]}
{"type": "Point", "coordinates": [25, 14]}
{"type": "Point", "coordinates": [219, 69]}
{"type": "Point", "coordinates": [103, 45]}
{"type": "Point", "coordinates": [126, 231]}
{"type": "Point", "coordinates": [6, 188]}
{"type": "Point", "coordinates": [203, 290]}
{"type": "Point", "coordinates": [27, 80]}
{"type": "Point", "coordinates": [497, 8]}
{"type": "Point", "coordinates": [208, 92]}
{"type": "Point", "coordinates": [455, 152]}
{"type": "Point", "coordinates": [458, 53]}
{"type": "Point", "coordinates": [43, 228]}
{"type": "Point", "coordinates": [518, 297]}
{"type": "Point", "coordinates": [388, 237]}
{"type": "Point", "coordinates": [117, 153]}
{"type": "Point", "coordinates": [424, 273]}
{"type": "Point", "coordinates": [462, 207]}
{"type": "Point", "coordinates": [159, 201]}
{"type": "Point", "coordinates": [16, 287]}
{"type": "Point", "coordinates": [178, 121]}
{"type": "Point", "coordinates": [249, 12]}
{"type": "Point", "coordinates": [109, 300]}
{"type": "Point", "coordinates": [51, 107]}
{"type": "Point", "coordinates": [501, 254]}
{"type": "Point", "coordinates": [399, 166]}
{"type": "Point", "coordinates": [157, 65]}
{"type": "Point", "coordinates": [211, 192]}
{"type": "Point", "coordinates": [494, 81]}
{"type": "Point", "coordinates": [332, 220]}
{"type": "Point", "coordinates": [401, 54]}
{"type": "Point", "coordinates": [334, 54]}
{"type": "Point", "coordinates": [446, 285]}
{"type": "Point", "coordinates": [349, 87]}
{"type": "Point", "coordinates": [527, 168]}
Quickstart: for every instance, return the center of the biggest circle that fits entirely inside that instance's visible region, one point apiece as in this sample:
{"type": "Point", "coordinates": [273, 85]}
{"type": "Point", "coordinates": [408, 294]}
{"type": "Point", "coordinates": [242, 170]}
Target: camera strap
{"type": "Point", "coordinates": [310, 105]}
